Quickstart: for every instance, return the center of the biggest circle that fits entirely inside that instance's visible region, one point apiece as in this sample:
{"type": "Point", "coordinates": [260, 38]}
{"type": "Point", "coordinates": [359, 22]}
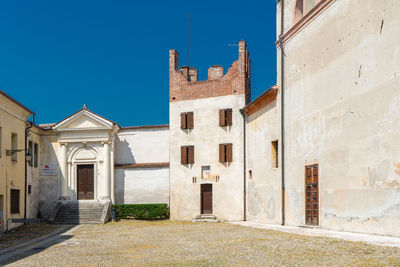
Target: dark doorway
{"type": "Point", "coordinates": [85, 181]}
{"type": "Point", "coordinates": [206, 199]}
{"type": "Point", "coordinates": [312, 195]}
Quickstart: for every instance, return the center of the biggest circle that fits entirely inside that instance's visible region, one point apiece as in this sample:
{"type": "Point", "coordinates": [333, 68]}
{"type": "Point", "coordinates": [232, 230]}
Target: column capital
{"type": "Point", "coordinates": [106, 142]}
{"type": "Point", "coordinates": [63, 144]}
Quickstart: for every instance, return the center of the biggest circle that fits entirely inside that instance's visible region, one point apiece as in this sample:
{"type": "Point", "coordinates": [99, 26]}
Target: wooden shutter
{"type": "Point", "coordinates": [222, 153]}
{"type": "Point", "coordinates": [14, 201]}
{"type": "Point", "coordinates": [189, 120]}
{"type": "Point", "coordinates": [183, 120]}
{"type": "Point", "coordinates": [183, 155]}
{"type": "Point", "coordinates": [229, 117]}
{"type": "Point", "coordinates": [222, 117]}
{"type": "Point", "coordinates": [228, 152]}
{"type": "Point", "coordinates": [190, 154]}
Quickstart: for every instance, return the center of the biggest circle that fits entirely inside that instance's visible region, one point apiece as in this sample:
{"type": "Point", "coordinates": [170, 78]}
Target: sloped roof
{"type": "Point", "coordinates": [87, 110]}
{"type": "Point", "coordinates": [16, 102]}
{"type": "Point", "coordinates": [264, 99]}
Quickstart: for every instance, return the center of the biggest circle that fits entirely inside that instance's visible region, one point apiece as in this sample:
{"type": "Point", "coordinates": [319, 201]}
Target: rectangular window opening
{"type": "Point", "coordinates": [35, 155]}
{"type": "Point", "coordinates": [274, 154]}
{"type": "Point", "coordinates": [30, 150]}
{"type": "Point", "coordinates": [14, 201]}
{"type": "Point", "coordinates": [225, 153]}
{"type": "Point", "coordinates": [14, 146]}
{"type": "Point", "coordinates": [187, 155]}
{"type": "Point", "coordinates": [187, 120]}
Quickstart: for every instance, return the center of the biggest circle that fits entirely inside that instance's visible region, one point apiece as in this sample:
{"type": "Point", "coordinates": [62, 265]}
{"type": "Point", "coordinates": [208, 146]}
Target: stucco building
{"type": "Point", "coordinates": [338, 70]}
{"type": "Point", "coordinates": [206, 139]}
{"type": "Point", "coordinates": [14, 130]}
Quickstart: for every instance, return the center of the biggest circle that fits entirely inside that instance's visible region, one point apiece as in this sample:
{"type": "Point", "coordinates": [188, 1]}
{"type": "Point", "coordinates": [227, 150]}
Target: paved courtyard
{"type": "Point", "coordinates": [165, 243]}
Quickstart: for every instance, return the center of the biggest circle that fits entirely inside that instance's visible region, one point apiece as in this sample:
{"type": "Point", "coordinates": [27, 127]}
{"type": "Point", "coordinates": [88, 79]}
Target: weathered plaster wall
{"type": "Point", "coordinates": [264, 188]}
{"type": "Point", "coordinates": [48, 184]}
{"type": "Point", "coordinates": [142, 145]}
{"type": "Point", "coordinates": [141, 186]}
{"type": "Point", "coordinates": [33, 173]}
{"type": "Point", "coordinates": [206, 137]}
{"type": "Point", "coordinates": [342, 111]}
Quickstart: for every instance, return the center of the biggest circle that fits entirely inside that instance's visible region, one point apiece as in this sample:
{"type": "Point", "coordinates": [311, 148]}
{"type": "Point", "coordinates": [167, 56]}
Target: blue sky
{"type": "Point", "coordinates": [113, 55]}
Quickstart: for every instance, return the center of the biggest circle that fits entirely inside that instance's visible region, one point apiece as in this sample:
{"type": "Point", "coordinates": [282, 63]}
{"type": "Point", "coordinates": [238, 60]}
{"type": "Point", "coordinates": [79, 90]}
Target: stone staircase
{"type": "Point", "coordinates": [205, 218]}
{"type": "Point", "coordinates": [77, 212]}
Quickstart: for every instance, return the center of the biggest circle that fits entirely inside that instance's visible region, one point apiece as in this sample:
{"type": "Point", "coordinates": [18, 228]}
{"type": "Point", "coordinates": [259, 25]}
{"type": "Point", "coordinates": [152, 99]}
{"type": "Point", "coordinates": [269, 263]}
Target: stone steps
{"type": "Point", "coordinates": [79, 213]}
{"type": "Point", "coordinates": [205, 218]}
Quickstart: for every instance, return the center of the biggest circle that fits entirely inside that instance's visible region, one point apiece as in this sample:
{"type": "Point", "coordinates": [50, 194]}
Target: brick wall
{"type": "Point", "coordinates": [235, 81]}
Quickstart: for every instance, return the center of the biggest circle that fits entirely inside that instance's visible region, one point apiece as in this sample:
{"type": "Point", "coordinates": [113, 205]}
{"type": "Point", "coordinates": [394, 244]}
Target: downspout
{"type": "Point", "coordinates": [282, 87]}
{"type": "Point", "coordinates": [27, 130]}
{"type": "Point", "coordinates": [244, 164]}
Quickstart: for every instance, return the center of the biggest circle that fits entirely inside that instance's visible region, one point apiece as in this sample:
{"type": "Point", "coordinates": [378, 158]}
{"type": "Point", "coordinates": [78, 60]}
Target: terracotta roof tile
{"type": "Point", "coordinates": [145, 127]}
{"type": "Point", "coordinates": [143, 165]}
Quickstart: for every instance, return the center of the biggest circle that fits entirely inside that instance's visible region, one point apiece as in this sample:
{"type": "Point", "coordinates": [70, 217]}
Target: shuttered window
{"type": "Point", "coordinates": [187, 120]}
{"type": "Point", "coordinates": [225, 153]}
{"type": "Point", "coordinates": [225, 117]}
{"type": "Point", "coordinates": [14, 201]}
{"type": "Point", "coordinates": [187, 155]}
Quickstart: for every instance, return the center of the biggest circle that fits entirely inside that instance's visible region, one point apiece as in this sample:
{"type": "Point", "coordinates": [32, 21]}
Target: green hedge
{"type": "Point", "coordinates": [142, 211]}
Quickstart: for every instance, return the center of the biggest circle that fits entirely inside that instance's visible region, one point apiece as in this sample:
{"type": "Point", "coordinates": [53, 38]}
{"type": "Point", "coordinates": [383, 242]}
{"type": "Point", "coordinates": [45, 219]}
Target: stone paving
{"type": "Point", "coordinates": [377, 240]}
{"type": "Point", "coordinates": [166, 243]}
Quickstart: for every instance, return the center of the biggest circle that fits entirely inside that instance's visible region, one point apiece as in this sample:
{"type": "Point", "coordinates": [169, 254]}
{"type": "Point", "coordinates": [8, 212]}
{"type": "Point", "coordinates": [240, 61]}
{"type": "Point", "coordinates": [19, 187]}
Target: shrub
{"type": "Point", "coordinates": [142, 211]}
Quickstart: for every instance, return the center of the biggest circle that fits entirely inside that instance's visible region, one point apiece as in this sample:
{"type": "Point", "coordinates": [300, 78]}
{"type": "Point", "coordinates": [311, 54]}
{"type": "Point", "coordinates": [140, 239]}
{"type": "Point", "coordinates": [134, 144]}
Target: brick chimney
{"type": "Point", "coordinates": [215, 72]}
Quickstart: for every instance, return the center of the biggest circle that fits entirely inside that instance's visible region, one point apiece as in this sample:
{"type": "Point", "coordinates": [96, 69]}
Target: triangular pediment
{"type": "Point", "coordinates": [83, 120]}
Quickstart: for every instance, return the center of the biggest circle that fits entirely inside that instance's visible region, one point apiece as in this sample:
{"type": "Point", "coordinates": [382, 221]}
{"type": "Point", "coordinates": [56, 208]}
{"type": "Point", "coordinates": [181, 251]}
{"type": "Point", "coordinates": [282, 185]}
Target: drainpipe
{"type": "Point", "coordinates": [244, 164]}
{"type": "Point", "coordinates": [282, 112]}
{"type": "Point", "coordinates": [27, 130]}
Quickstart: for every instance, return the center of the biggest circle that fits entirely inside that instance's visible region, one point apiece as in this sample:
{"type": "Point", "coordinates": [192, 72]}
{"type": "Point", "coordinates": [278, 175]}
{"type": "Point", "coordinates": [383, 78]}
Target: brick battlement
{"type": "Point", "coordinates": [184, 84]}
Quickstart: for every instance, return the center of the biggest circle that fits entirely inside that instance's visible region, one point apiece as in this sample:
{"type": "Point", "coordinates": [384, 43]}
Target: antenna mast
{"type": "Point", "coordinates": [188, 40]}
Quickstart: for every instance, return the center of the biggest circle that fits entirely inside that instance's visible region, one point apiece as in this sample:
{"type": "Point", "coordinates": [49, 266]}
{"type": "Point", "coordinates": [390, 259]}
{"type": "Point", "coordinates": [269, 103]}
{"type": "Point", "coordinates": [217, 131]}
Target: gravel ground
{"type": "Point", "coordinates": [166, 243]}
{"type": "Point", "coordinates": [25, 233]}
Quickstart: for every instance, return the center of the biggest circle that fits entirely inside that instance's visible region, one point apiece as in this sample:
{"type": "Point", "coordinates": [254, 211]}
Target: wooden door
{"type": "Point", "coordinates": [312, 195]}
{"type": "Point", "coordinates": [85, 181]}
{"type": "Point", "coordinates": [206, 199]}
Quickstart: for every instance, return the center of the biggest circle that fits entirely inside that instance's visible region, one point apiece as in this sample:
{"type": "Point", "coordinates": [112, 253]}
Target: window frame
{"type": "Point", "coordinates": [35, 155]}
{"type": "Point", "coordinates": [15, 206]}
{"type": "Point", "coordinates": [275, 154]}
{"type": "Point", "coordinates": [187, 120]}
{"type": "Point", "coordinates": [187, 155]}
{"type": "Point", "coordinates": [14, 146]}
{"type": "Point", "coordinates": [226, 153]}
{"type": "Point", "coordinates": [225, 117]}
{"type": "Point", "coordinates": [30, 149]}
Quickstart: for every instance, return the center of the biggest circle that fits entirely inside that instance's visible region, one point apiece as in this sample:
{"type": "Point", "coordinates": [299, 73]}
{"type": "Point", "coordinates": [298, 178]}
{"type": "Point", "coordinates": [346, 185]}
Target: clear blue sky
{"type": "Point", "coordinates": [113, 55]}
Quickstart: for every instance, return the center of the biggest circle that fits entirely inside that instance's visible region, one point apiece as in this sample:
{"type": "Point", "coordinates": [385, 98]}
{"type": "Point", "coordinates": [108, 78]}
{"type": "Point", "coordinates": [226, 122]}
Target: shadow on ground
{"type": "Point", "coordinates": [35, 248]}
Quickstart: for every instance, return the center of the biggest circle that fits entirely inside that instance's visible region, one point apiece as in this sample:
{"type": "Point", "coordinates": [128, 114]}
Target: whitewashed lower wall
{"type": "Point", "coordinates": [141, 186]}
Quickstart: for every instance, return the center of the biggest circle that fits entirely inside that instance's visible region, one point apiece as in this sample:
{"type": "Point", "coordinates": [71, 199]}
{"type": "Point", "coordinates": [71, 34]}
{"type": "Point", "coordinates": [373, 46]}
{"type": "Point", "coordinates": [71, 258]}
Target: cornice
{"type": "Point", "coordinates": [304, 21]}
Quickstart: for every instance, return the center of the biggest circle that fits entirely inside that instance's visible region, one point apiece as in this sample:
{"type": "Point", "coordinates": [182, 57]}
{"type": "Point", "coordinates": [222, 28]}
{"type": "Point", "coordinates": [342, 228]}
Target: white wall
{"type": "Point", "coordinates": [141, 186]}
{"type": "Point", "coordinates": [144, 185]}
{"type": "Point", "coordinates": [264, 189]}
{"type": "Point", "coordinates": [142, 145]}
